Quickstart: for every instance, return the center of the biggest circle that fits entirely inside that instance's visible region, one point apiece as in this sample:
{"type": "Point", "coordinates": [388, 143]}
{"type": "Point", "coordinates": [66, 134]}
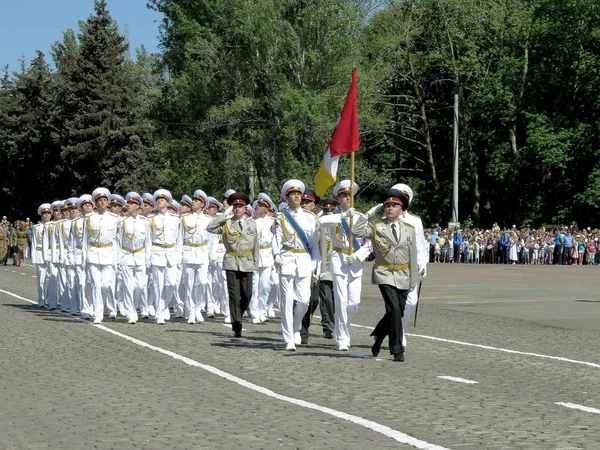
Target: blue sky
{"type": "Point", "coordinates": [27, 25]}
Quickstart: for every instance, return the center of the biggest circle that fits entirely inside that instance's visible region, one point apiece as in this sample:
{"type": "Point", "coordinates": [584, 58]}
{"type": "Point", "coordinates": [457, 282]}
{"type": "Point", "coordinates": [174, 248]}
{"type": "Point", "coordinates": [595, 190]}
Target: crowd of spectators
{"type": "Point", "coordinates": [560, 245]}
{"type": "Point", "coordinates": [15, 241]}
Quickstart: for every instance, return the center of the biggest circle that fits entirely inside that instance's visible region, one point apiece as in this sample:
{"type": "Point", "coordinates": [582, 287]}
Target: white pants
{"type": "Point", "coordinates": [195, 277]}
{"type": "Point", "coordinates": [220, 292]}
{"type": "Point", "coordinates": [63, 292]}
{"type": "Point", "coordinates": [42, 273]}
{"type": "Point", "coordinates": [273, 298]}
{"type": "Point", "coordinates": [212, 305]}
{"type": "Point", "coordinates": [151, 297]}
{"type": "Point", "coordinates": [293, 288]}
{"type": "Point", "coordinates": [261, 286]}
{"type": "Point", "coordinates": [102, 285]}
{"type": "Point", "coordinates": [135, 286]}
{"type": "Point", "coordinates": [119, 294]}
{"type": "Point", "coordinates": [69, 300]}
{"type": "Point", "coordinates": [411, 304]}
{"type": "Point", "coordinates": [165, 286]}
{"type": "Point", "coordinates": [52, 285]}
{"type": "Point", "coordinates": [346, 295]}
{"type": "Point", "coordinates": [83, 291]}
{"type": "Point", "coordinates": [177, 297]}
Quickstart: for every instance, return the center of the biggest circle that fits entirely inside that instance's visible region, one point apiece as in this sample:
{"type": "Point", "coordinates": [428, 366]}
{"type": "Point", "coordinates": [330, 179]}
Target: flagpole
{"type": "Point", "coordinates": [350, 246]}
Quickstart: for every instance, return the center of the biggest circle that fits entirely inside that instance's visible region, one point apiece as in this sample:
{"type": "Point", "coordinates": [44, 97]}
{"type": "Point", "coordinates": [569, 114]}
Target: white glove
{"type": "Point", "coordinates": [178, 266]}
{"type": "Point", "coordinates": [228, 212]}
{"type": "Point", "coordinates": [317, 272]}
{"type": "Point", "coordinates": [350, 259]}
{"type": "Point", "coordinates": [373, 209]}
{"type": "Point", "coordinates": [278, 262]}
{"type": "Point", "coordinates": [348, 213]}
{"type": "Point", "coordinates": [423, 274]}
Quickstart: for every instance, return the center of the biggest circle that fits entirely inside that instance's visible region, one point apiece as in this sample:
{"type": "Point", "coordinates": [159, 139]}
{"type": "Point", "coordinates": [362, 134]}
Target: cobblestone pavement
{"type": "Point", "coordinates": [67, 384]}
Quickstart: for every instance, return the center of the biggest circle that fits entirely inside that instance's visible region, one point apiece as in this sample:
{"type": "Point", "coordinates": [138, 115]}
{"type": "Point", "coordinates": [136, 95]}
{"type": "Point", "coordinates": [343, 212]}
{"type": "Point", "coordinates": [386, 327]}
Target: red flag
{"type": "Point", "coordinates": [345, 136]}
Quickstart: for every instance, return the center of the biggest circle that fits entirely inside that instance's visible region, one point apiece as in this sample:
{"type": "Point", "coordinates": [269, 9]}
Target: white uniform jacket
{"type": "Point", "coordinates": [422, 245]}
{"type": "Point", "coordinates": [77, 240]}
{"type": "Point", "coordinates": [135, 242]}
{"type": "Point", "coordinates": [295, 257]}
{"type": "Point", "coordinates": [47, 241]}
{"type": "Point", "coordinates": [37, 237]}
{"type": "Point", "coordinates": [264, 227]}
{"type": "Point", "coordinates": [166, 240]}
{"type": "Point", "coordinates": [196, 241]}
{"type": "Point", "coordinates": [55, 241]}
{"type": "Point", "coordinates": [65, 231]}
{"type": "Point", "coordinates": [100, 243]}
{"type": "Point", "coordinates": [341, 245]}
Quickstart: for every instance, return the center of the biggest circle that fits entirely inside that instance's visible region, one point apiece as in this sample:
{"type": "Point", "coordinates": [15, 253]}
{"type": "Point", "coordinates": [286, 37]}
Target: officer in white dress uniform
{"type": "Point", "coordinates": [177, 302]}
{"type": "Point", "coordinates": [84, 295]}
{"type": "Point", "coordinates": [117, 206]}
{"type": "Point", "coordinates": [37, 251]}
{"type": "Point", "coordinates": [148, 210]}
{"type": "Point", "coordinates": [63, 231]}
{"type": "Point", "coordinates": [346, 262]}
{"type": "Point", "coordinates": [136, 247]}
{"type": "Point", "coordinates": [295, 256]}
{"type": "Point", "coordinates": [48, 241]}
{"type": "Point", "coordinates": [197, 245]}
{"type": "Point", "coordinates": [68, 255]}
{"type": "Point", "coordinates": [216, 272]}
{"type": "Point", "coordinates": [101, 255]}
{"type": "Point", "coordinates": [54, 246]}
{"type": "Point", "coordinates": [166, 254]}
{"type": "Point", "coordinates": [262, 281]}
{"type": "Point", "coordinates": [273, 296]}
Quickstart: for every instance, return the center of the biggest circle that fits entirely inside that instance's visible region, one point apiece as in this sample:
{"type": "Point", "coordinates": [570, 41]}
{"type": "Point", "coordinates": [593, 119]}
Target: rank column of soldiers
{"type": "Point", "coordinates": [145, 255]}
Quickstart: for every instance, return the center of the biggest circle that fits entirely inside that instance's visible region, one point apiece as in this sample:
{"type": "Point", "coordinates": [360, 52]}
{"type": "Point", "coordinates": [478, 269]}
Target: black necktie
{"type": "Point", "coordinates": [394, 231]}
{"type": "Point", "coordinates": [240, 224]}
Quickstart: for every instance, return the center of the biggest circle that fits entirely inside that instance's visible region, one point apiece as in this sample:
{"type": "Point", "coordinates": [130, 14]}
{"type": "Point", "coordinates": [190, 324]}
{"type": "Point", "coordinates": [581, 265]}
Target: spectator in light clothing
{"type": "Point", "coordinates": [591, 252]}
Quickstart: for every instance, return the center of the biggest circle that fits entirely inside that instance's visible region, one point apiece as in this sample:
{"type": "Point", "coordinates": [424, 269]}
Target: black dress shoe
{"type": "Point", "coordinates": [327, 334]}
{"type": "Point", "coordinates": [376, 348]}
{"type": "Point", "coordinates": [237, 334]}
{"type": "Point", "coordinates": [399, 357]}
{"type": "Point", "coordinates": [304, 340]}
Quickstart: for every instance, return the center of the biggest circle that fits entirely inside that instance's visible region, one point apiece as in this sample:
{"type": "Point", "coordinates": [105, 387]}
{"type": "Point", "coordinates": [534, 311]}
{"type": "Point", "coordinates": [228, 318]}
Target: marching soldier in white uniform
{"type": "Point", "coordinates": [240, 238]}
{"type": "Point", "coordinates": [396, 266]}
{"type": "Point", "coordinates": [63, 232]}
{"type": "Point", "coordinates": [262, 282]}
{"type": "Point", "coordinates": [297, 247]}
{"type": "Point", "coordinates": [54, 268]}
{"type": "Point", "coordinates": [83, 295]}
{"type": "Point", "coordinates": [197, 245]}
{"type": "Point", "coordinates": [166, 254]}
{"type": "Point", "coordinates": [117, 206]}
{"type": "Point", "coordinates": [48, 240]}
{"type": "Point", "coordinates": [136, 247]}
{"type": "Point", "coordinates": [101, 255]}
{"type": "Point", "coordinates": [37, 251]}
{"type": "Point", "coordinates": [422, 257]}
{"type": "Point", "coordinates": [68, 255]}
{"type": "Point", "coordinates": [148, 210]}
{"type": "Point", "coordinates": [346, 262]}
{"type": "Point", "coordinates": [178, 297]}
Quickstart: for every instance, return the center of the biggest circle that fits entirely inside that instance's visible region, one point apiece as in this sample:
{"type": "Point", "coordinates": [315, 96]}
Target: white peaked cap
{"type": "Point", "coordinates": [100, 192]}
{"type": "Point", "coordinates": [44, 207]}
{"type": "Point", "coordinates": [163, 193]}
{"type": "Point", "coordinates": [404, 188]}
{"type": "Point", "coordinates": [344, 186]}
{"type": "Point", "coordinates": [291, 185]}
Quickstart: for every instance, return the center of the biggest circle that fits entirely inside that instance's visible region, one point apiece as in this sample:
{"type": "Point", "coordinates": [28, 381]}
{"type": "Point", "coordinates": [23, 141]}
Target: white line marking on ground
{"type": "Point", "coordinates": [458, 380]}
{"type": "Point", "coordinates": [487, 347]}
{"type": "Point", "coordinates": [453, 285]}
{"type": "Point", "coordinates": [23, 273]}
{"type": "Point", "coordinates": [33, 276]}
{"type": "Point", "coordinates": [374, 426]}
{"type": "Point", "coordinates": [579, 407]}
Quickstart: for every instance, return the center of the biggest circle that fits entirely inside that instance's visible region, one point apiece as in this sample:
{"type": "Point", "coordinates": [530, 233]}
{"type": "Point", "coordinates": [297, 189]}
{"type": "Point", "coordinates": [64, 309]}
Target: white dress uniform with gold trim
{"type": "Point", "coordinates": [136, 248]}
{"type": "Point", "coordinates": [37, 254]}
{"type": "Point", "coordinates": [83, 292]}
{"type": "Point", "coordinates": [101, 255]}
{"type": "Point", "coordinates": [296, 265]}
{"type": "Point", "coordinates": [347, 279]}
{"type": "Point", "coordinates": [219, 281]}
{"type": "Point", "coordinates": [197, 245]}
{"type": "Point", "coordinates": [165, 258]}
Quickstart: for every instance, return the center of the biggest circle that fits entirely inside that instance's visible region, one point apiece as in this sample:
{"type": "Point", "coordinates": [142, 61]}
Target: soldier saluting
{"type": "Point", "coordinates": [396, 269]}
{"type": "Point", "coordinates": [241, 255]}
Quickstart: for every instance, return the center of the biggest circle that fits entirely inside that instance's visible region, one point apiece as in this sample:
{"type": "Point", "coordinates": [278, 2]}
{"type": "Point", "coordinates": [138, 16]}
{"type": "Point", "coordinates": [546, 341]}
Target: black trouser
{"type": "Point", "coordinates": [558, 251]}
{"type": "Point", "coordinates": [391, 323]}
{"type": "Point", "coordinates": [567, 255]}
{"type": "Point", "coordinates": [239, 287]}
{"type": "Point", "coordinates": [320, 294]}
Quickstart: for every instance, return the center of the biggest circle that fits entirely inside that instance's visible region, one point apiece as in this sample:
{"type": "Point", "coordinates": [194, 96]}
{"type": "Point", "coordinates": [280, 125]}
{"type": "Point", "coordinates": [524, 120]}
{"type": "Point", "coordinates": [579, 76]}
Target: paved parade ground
{"type": "Point", "coordinates": [503, 357]}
